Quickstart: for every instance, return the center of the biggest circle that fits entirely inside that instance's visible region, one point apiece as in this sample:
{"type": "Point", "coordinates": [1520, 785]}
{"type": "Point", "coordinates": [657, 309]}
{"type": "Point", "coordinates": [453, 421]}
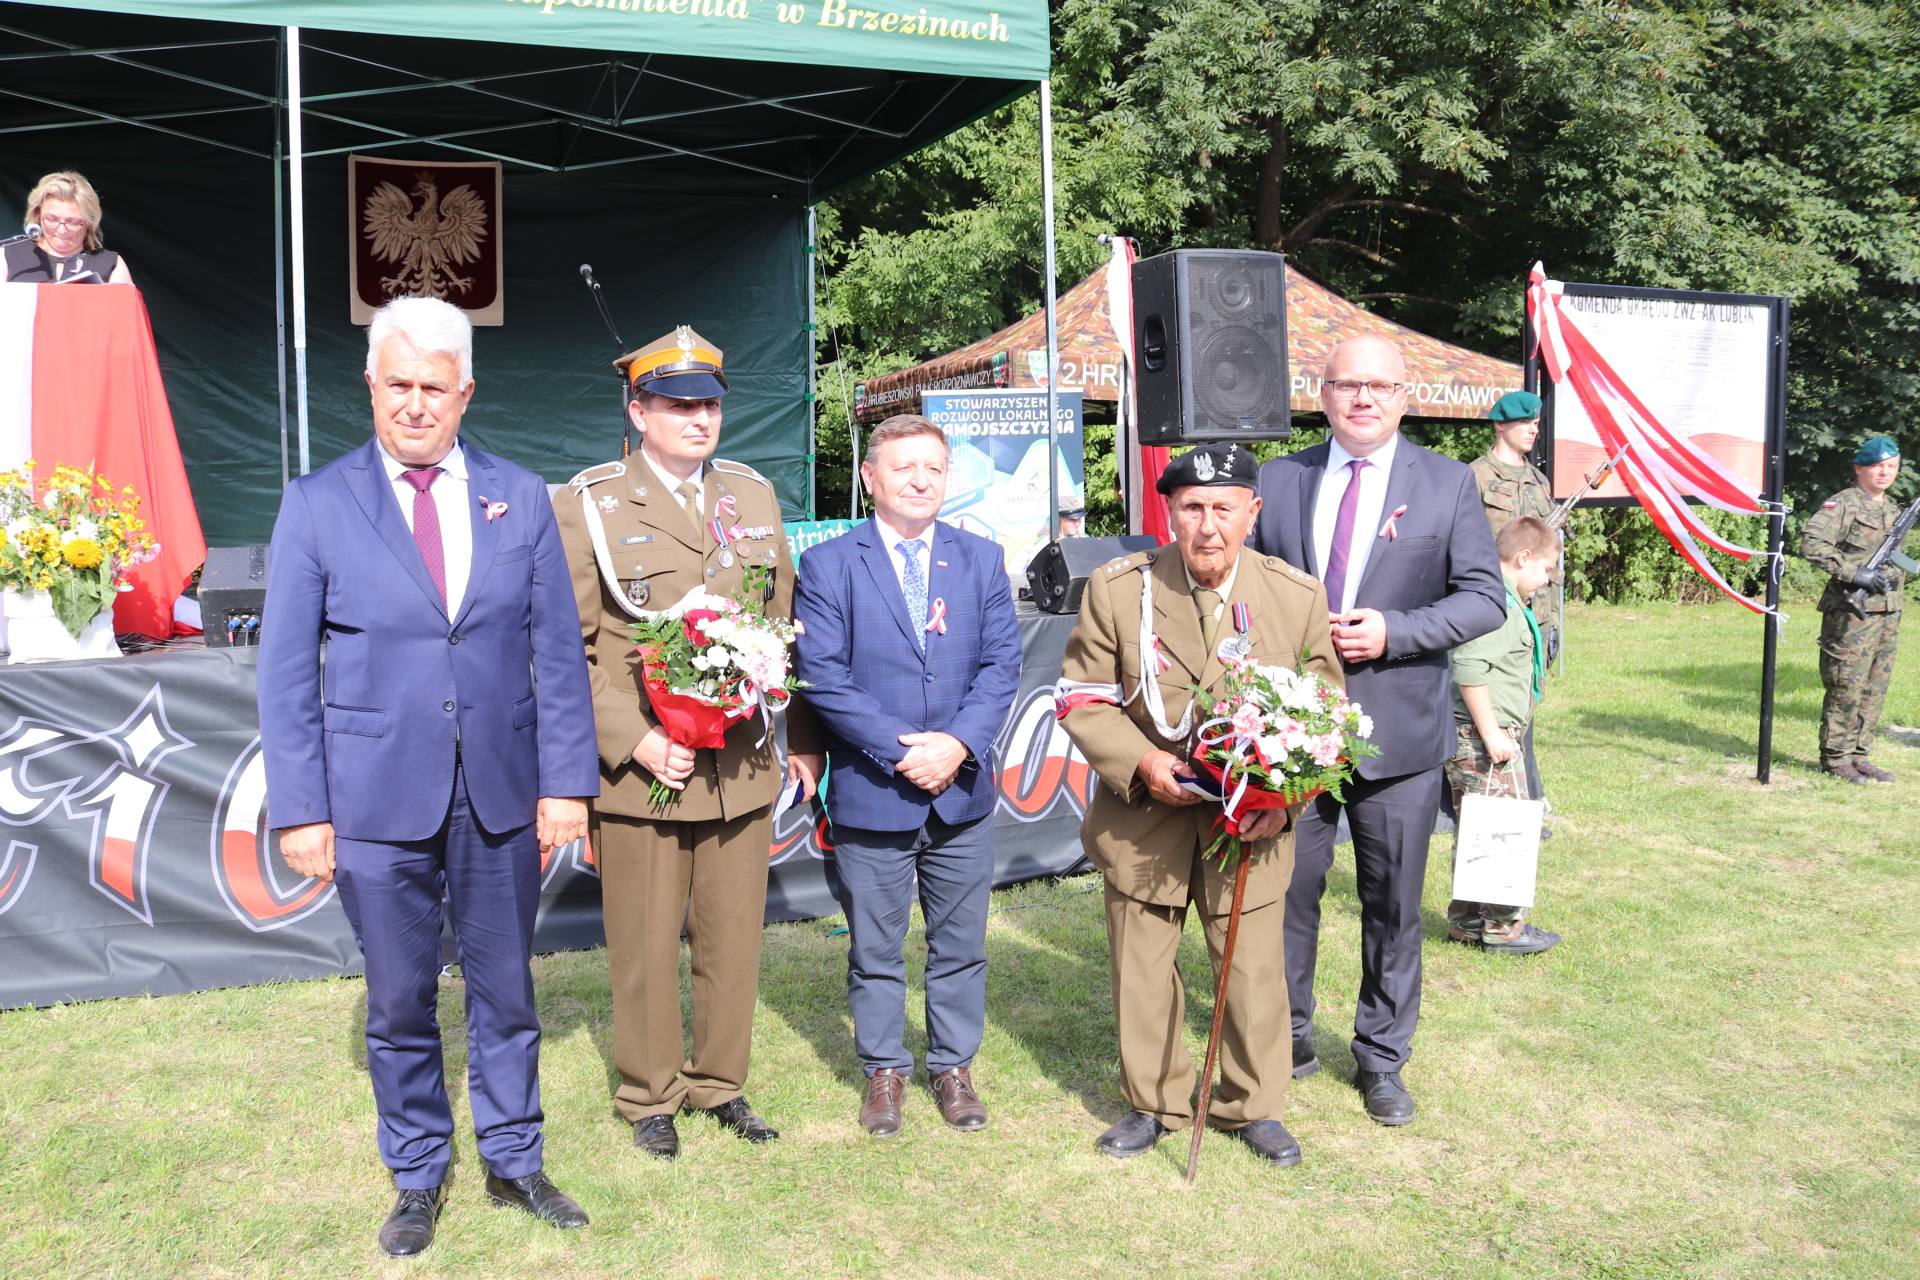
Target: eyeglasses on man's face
{"type": "Point", "coordinates": [1348, 388]}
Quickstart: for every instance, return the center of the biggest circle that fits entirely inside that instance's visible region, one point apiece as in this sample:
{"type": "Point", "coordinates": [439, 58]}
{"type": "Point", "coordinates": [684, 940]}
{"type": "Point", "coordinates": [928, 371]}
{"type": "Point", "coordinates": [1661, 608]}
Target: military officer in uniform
{"type": "Point", "coordinates": [639, 535]}
{"type": "Point", "coordinates": [1856, 654]}
{"type": "Point", "coordinates": [1168, 618]}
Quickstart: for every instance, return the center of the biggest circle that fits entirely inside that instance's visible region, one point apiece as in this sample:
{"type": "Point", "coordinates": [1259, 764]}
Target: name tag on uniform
{"type": "Point", "coordinates": [638, 537]}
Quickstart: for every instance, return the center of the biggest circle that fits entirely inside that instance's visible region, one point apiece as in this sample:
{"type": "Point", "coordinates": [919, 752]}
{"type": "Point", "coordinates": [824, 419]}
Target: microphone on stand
{"type": "Point", "coordinates": [606, 318]}
{"type": "Point", "coordinates": [32, 232]}
{"type": "Point", "coordinates": [600, 301]}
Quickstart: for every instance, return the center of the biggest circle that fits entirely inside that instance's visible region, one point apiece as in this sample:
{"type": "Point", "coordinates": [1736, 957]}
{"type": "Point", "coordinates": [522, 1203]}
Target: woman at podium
{"type": "Point", "coordinates": [69, 249]}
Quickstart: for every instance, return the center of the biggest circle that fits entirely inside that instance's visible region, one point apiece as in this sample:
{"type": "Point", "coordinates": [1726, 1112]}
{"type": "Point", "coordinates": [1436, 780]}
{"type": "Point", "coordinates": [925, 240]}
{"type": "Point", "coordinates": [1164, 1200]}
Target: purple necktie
{"type": "Point", "coordinates": [1335, 577]}
{"type": "Point", "coordinates": [426, 526]}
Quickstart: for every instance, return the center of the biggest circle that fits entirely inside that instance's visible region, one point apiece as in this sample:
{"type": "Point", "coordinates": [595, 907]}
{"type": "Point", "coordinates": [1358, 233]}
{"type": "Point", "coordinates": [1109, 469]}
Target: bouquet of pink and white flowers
{"type": "Point", "coordinates": [708, 663]}
{"type": "Point", "coordinates": [1277, 737]}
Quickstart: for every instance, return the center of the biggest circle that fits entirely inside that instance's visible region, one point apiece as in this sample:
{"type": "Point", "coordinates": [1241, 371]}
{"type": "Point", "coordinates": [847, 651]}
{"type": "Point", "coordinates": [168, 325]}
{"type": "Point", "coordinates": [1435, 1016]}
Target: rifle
{"type": "Point", "coordinates": [1594, 479]}
{"type": "Point", "coordinates": [1888, 551]}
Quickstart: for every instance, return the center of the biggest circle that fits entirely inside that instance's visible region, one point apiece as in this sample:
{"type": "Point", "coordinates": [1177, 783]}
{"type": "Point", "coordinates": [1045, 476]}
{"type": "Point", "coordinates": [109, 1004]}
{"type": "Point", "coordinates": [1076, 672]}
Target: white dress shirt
{"type": "Point", "coordinates": [450, 502]}
{"type": "Point", "coordinates": [1367, 517]}
{"type": "Point", "coordinates": [891, 538]}
{"type": "Point", "coordinates": [698, 479]}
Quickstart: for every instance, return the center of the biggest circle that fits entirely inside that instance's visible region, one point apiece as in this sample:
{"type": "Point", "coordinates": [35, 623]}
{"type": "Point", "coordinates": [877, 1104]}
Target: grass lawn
{"type": "Point", "coordinates": [1713, 1076]}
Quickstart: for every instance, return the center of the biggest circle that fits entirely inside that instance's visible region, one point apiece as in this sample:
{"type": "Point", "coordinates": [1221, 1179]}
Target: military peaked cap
{"type": "Point", "coordinates": [680, 366]}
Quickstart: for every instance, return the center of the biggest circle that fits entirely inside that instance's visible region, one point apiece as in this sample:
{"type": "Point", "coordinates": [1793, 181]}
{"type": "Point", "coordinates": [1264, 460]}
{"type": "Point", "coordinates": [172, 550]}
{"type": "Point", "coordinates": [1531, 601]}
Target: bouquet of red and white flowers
{"type": "Point", "coordinates": [1277, 737]}
{"type": "Point", "coordinates": [708, 663]}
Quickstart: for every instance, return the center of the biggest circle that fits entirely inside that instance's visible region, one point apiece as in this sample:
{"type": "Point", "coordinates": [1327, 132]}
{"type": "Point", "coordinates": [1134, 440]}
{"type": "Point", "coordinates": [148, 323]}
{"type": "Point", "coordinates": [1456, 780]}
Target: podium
{"type": "Point", "coordinates": [80, 385]}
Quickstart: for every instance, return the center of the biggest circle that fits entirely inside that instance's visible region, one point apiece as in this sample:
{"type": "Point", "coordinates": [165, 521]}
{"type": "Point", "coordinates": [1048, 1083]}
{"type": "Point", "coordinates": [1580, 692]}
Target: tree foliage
{"type": "Point", "coordinates": [1418, 155]}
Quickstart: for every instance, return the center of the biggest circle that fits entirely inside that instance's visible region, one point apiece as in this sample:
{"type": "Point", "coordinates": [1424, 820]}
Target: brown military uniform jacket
{"type": "Point", "coordinates": [1839, 538]}
{"type": "Point", "coordinates": [1146, 847]}
{"type": "Point", "coordinates": [1508, 494]}
{"type": "Point", "coordinates": [653, 555]}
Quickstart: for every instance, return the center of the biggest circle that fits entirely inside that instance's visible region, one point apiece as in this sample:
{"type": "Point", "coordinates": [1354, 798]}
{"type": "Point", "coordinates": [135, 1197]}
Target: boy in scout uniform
{"type": "Point", "coordinates": [1511, 486]}
{"type": "Point", "coordinates": [639, 535]}
{"type": "Point", "coordinates": [1169, 618]}
{"type": "Point", "coordinates": [1856, 654]}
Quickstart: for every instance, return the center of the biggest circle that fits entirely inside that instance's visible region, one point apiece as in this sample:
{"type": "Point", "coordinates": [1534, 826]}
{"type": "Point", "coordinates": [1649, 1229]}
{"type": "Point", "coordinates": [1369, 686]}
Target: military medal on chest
{"type": "Point", "coordinates": [1239, 646]}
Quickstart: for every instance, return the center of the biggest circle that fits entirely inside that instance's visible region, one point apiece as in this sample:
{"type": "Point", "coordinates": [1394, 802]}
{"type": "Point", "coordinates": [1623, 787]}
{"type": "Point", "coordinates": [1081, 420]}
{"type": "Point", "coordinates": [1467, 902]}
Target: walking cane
{"type": "Point", "coordinates": [1219, 1013]}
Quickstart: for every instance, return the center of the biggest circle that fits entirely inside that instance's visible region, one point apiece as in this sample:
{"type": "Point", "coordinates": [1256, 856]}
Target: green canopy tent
{"type": "Point", "coordinates": [678, 145]}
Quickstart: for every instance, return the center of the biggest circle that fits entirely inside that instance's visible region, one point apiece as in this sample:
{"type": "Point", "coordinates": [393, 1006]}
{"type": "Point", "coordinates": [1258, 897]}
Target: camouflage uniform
{"type": "Point", "coordinates": [1856, 655]}
{"type": "Point", "coordinates": [1509, 493]}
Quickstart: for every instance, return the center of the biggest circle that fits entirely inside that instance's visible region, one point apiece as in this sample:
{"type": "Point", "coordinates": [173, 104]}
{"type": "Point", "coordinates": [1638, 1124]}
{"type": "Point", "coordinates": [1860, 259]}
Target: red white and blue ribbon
{"type": "Point", "coordinates": [1660, 469]}
{"type": "Point", "coordinates": [1242, 618]}
{"type": "Point", "coordinates": [937, 619]}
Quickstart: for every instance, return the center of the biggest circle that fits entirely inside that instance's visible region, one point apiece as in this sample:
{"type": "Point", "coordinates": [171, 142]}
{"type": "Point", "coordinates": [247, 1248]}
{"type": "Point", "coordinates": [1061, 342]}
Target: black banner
{"type": "Point", "coordinates": [133, 859]}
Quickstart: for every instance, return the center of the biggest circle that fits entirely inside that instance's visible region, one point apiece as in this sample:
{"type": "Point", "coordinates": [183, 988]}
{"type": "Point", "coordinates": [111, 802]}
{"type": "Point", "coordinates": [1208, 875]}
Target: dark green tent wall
{"type": "Point", "coordinates": [199, 239]}
{"type": "Point", "coordinates": [692, 210]}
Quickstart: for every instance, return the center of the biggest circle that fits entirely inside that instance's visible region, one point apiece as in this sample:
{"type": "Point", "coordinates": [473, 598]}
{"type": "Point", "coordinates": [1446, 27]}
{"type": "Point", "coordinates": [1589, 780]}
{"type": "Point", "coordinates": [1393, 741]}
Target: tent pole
{"type": "Point", "coordinates": [1053, 320]}
{"type": "Point", "coordinates": [813, 356]}
{"type": "Point", "coordinates": [280, 249]}
{"type": "Point", "coordinates": [299, 195]}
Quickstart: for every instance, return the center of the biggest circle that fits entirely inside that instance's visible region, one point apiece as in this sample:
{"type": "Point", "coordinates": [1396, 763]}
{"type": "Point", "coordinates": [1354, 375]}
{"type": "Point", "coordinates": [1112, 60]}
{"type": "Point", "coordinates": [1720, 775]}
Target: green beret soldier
{"type": "Point", "coordinates": [1856, 654]}
{"type": "Point", "coordinates": [1511, 487]}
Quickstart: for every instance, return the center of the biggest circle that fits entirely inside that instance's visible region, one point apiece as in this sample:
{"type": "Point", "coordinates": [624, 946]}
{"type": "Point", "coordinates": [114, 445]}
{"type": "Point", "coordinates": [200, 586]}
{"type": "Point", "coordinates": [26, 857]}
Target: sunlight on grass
{"type": "Point", "coordinates": [1713, 1076]}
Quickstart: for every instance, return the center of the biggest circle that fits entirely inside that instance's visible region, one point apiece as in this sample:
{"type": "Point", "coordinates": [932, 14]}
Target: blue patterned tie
{"type": "Point", "coordinates": [915, 584]}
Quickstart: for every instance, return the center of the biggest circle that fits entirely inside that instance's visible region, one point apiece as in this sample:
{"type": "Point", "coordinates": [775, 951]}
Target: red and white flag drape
{"type": "Point", "coordinates": [1660, 468]}
{"type": "Point", "coordinates": [1152, 459]}
{"type": "Point", "coordinates": [80, 386]}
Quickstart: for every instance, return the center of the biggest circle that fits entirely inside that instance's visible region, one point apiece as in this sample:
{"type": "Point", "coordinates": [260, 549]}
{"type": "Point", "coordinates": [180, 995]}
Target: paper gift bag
{"type": "Point", "coordinates": [1497, 850]}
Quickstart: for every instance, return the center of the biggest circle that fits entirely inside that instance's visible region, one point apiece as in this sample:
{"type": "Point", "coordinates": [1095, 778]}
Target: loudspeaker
{"type": "Point", "coordinates": [233, 596]}
{"type": "Point", "coordinates": [1210, 337]}
{"type": "Point", "coordinates": [1057, 577]}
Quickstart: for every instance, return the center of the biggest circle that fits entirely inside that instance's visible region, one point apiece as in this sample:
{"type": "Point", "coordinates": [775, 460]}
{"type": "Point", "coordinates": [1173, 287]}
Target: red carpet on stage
{"type": "Point", "coordinates": [81, 386]}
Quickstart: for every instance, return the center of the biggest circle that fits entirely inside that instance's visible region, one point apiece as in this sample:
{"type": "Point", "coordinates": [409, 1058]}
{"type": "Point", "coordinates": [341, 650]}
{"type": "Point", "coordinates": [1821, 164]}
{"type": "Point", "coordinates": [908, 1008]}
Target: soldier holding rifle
{"type": "Point", "coordinates": [1856, 537]}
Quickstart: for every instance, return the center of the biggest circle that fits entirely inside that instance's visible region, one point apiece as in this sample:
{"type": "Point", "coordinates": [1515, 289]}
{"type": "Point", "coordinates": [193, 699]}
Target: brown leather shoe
{"type": "Point", "coordinates": [1847, 773]}
{"type": "Point", "coordinates": [1868, 769]}
{"type": "Point", "coordinates": [960, 1106]}
{"type": "Point", "coordinates": [880, 1113]}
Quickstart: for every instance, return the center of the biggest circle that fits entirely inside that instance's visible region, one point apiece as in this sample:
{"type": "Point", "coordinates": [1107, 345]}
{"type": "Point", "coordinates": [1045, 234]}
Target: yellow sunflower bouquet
{"type": "Point", "coordinates": [73, 539]}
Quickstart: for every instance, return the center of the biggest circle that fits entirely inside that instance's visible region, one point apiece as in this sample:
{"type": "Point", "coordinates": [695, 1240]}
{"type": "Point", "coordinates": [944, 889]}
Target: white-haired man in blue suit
{"type": "Point", "coordinates": [447, 742]}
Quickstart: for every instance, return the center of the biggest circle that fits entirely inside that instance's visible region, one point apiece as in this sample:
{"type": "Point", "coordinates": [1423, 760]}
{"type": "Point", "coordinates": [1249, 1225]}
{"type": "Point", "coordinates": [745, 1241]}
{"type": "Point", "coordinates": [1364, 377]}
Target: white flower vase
{"type": "Point", "coordinates": [34, 634]}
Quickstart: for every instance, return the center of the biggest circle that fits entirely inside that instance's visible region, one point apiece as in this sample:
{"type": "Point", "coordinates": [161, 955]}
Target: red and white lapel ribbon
{"type": "Point", "coordinates": [1391, 529]}
{"type": "Point", "coordinates": [1660, 469]}
{"type": "Point", "coordinates": [937, 621]}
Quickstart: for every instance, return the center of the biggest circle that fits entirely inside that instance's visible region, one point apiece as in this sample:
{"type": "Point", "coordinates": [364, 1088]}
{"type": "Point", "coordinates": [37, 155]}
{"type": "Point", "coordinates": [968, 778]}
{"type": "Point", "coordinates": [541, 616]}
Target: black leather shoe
{"type": "Point", "coordinates": [656, 1136]}
{"type": "Point", "coordinates": [736, 1115]}
{"type": "Point", "coordinates": [1270, 1141]}
{"type": "Point", "coordinates": [1305, 1061]}
{"type": "Point", "coordinates": [1388, 1101]}
{"type": "Point", "coordinates": [1528, 942]}
{"type": "Point", "coordinates": [537, 1195]}
{"type": "Point", "coordinates": [1132, 1135]}
{"type": "Point", "coordinates": [409, 1228]}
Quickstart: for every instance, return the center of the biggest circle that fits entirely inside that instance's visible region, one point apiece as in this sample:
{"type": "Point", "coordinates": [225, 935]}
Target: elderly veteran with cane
{"type": "Point", "coordinates": [1154, 626]}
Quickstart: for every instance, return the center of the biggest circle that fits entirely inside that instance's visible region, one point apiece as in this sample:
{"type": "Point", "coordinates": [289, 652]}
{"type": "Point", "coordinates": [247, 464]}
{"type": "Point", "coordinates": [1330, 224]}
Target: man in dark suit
{"type": "Point", "coordinates": [911, 659]}
{"type": "Point", "coordinates": [1399, 537]}
{"type": "Point", "coordinates": [447, 743]}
